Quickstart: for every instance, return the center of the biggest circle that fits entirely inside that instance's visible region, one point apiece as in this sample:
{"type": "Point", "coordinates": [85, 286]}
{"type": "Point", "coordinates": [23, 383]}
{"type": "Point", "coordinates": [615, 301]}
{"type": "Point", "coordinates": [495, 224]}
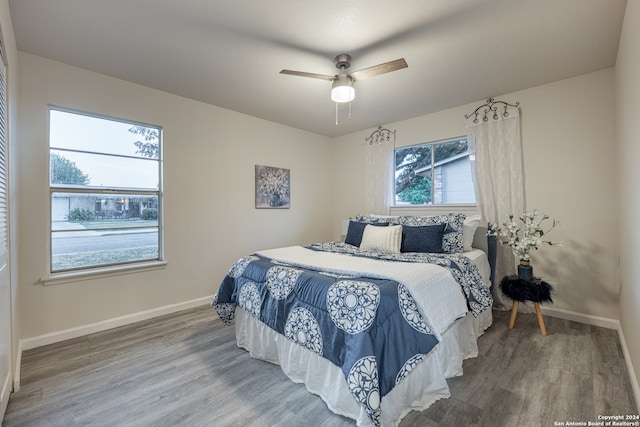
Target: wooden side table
{"type": "Point", "coordinates": [537, 291]}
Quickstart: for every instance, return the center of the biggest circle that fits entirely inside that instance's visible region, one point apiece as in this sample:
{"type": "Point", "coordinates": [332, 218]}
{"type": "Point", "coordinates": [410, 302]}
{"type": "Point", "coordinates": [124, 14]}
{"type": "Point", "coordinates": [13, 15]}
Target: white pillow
{"type": "Point", "coordinates": [386, 239]}
{"type": "Point", "coordinates": [469, 230]}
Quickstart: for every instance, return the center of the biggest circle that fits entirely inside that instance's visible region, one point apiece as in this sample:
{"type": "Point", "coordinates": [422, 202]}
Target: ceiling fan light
{"type": "Point", "coordinates": [342, 89]}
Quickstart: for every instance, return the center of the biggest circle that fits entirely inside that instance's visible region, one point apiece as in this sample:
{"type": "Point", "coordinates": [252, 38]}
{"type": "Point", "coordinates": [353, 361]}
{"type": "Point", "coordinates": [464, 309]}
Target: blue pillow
{"type": "Point", "coordinates": [452, 242]}
{"type": "Point", "coordinates": [355, 230]}
{"type": "Point", "coordinates": [426, 238]}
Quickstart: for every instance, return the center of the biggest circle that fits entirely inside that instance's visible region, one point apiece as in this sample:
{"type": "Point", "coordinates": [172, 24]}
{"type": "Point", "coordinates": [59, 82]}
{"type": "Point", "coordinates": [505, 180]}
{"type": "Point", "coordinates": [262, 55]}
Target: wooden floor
{"type": "Point", "coordinates": [184, 369]}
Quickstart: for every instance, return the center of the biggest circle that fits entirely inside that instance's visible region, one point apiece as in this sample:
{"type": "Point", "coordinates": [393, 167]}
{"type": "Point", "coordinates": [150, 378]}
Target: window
{"type": "Point", "coordinates": [434, 173]}
{"type": "Point", "coordinates": [105, 188]}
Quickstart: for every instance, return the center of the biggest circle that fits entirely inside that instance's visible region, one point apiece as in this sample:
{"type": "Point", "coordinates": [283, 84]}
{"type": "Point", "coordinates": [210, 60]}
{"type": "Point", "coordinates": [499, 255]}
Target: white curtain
{"type": "Point", "coordinates": [495, 151]}
{"type": "Point", "coordinates": [379, 165]}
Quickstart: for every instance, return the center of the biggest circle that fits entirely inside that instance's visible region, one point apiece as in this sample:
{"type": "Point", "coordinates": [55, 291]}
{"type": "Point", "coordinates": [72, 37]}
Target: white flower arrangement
{"type": "Point", "coordinates": [525, 235]}
{"type": "Point", "coordinates": [274, 181]}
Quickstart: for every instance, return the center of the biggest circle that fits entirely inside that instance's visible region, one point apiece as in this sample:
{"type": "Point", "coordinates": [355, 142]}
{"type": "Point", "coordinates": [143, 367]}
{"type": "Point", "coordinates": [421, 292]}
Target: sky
{"type": "Point", "coordinates": [97, 135]}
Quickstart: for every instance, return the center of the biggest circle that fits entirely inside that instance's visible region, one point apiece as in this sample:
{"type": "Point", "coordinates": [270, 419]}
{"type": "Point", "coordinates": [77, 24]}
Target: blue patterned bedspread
{"type": "Point", "coordinates": [369, 327]}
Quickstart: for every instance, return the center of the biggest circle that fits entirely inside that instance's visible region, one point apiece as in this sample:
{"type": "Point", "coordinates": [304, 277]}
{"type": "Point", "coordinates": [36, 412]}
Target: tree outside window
{"type": "Point", "coordinates": [433, 173]}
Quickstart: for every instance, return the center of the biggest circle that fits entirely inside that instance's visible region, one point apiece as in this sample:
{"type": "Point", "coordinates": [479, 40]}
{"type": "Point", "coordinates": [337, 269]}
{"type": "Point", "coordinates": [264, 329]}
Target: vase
{"type": "Point", "coordinates": [274, 200]}
{"type": "Point", "coordinates": [525, 271]}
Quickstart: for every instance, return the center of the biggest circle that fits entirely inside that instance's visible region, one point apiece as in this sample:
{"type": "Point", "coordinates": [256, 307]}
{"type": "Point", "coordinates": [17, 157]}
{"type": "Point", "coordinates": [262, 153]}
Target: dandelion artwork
{"type": "Point", "coordinates": [525, 234]}
{"type": "Point", "coordinates": [272, 187]}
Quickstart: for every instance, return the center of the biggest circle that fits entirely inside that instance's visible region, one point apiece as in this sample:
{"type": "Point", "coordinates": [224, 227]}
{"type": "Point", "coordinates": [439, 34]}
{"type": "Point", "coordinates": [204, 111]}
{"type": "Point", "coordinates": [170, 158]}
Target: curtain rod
{"type": "Point", "coordinates": [490, 105]}
{"type": "Point", "coordinates": [381, 135]}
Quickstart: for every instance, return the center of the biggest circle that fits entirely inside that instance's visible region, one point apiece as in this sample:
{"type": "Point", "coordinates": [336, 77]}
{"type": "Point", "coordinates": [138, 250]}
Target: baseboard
{"type": "Point", "coordinates": [53, 337]}
{"type": "Point", "coordinates": [589, 319]}
{"type": "Point", "coordinates": [5, 391]}
{"type": "Point", "coordinates": [632, 373]}
{"type": "Point", "coordinates": [16, 372]}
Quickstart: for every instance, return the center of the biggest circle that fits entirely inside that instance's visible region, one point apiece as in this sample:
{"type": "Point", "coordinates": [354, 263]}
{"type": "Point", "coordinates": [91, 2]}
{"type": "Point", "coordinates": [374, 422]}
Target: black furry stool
{"type": "Point", "coordinates": [536, 291]}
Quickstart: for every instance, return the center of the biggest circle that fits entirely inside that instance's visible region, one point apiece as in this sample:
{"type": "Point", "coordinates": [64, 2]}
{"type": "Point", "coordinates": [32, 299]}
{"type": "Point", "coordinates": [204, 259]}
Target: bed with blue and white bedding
{"type": "Point", "coordinates": [374, 333]}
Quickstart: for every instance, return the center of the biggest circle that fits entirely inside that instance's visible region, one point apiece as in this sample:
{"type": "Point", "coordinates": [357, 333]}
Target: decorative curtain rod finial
{"type": "Point", "coordinates": [490, 106]}
{"type": "Point", "coordinates": [381, 135]}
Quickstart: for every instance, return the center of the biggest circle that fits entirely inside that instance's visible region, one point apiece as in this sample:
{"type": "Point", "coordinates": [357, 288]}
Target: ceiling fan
{"type": "Point", "coordinates": [342, 89]}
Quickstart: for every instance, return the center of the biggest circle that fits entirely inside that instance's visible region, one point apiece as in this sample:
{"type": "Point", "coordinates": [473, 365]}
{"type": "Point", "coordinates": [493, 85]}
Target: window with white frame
{"type": "Point", "coordinates": [105, 191]}
{"type": "Point", "coordinates": [434, 173]}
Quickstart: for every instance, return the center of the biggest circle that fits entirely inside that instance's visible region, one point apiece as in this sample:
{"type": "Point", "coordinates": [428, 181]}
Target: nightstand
{"type": "Point", "coordinates": [537, 291]}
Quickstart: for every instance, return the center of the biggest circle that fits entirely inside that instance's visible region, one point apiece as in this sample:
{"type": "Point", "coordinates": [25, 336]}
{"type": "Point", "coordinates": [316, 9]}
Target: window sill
{"type": "Point", "coordinates": [99, 273]}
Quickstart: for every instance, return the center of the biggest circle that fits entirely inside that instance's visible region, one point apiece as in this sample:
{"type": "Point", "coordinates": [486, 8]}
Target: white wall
{"type": "Point", "coordinates": [210, 219]}
{"type": "Point", "coordinates": [568, 133]}
{"type": "Point", "coordinates": [628, 114]}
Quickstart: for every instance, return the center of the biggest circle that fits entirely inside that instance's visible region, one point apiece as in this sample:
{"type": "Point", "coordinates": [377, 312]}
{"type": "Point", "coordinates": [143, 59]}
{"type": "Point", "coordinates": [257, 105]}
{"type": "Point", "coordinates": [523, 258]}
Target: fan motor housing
{"type": "Point", "coordinates": [343, 61]}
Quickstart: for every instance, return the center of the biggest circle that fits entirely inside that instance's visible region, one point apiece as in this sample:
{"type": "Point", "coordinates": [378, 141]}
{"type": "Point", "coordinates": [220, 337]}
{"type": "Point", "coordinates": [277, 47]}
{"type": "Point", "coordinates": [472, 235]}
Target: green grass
{"type": "Point", "coordinates": [105, 257]}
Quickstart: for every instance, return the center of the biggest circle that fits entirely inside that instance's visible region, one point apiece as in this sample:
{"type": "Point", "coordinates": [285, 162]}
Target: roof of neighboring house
{"type": "Point", "coordinates": [443, 162]}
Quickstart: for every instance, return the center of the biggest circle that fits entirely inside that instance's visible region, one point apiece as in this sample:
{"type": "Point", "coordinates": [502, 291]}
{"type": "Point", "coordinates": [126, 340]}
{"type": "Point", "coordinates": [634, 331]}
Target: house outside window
{"type": "Point", "coordinates": [435, 173]}
{"type": "Point", "coordinates": [105, 191]}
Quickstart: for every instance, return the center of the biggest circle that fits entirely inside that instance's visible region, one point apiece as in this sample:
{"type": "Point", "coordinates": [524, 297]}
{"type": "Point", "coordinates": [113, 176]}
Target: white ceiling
{"type": "Point", "coordinates": [229, 52]}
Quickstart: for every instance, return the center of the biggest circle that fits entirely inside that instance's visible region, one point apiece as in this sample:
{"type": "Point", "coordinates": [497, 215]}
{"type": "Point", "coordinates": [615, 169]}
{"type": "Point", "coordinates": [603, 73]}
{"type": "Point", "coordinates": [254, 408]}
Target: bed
{"type": "Point", "coordinates": [374, 325]}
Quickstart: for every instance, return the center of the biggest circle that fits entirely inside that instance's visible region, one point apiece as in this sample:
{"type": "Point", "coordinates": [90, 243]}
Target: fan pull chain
{"type": "Point", "coordinates": [337, 112]}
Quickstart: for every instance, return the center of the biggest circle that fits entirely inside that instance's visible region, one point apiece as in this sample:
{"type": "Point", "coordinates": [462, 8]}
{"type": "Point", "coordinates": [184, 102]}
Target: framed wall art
{"type": "Point", "coordinates": [272, 187]}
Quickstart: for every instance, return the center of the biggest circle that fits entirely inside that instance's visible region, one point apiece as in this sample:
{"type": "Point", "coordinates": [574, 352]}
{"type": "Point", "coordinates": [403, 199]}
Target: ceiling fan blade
{"type": "Point", "coordinates": [376, 70]}
{"type": "Point", "coordinates": [312, 75]}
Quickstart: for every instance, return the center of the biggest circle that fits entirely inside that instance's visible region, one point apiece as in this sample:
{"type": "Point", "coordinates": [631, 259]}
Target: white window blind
{"type": "Point", "coordinates": [3, 159]}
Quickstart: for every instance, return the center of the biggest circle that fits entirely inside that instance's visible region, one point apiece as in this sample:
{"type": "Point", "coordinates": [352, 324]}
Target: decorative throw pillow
{"type": "Point", "coordinates": [385, 239]}
{"type": "Point", "coordinates": [388, 218]}
{"type": "Point", "coordinates": [426, 238]}
{"type": "Point", "coordinates": [469, 230]}
{"type": "Point", "coordinates": [375, 219]}
{"type": "Point", "coordinates": [452, 238]}
{"type": "Point", "coordinates": [355, 230]}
